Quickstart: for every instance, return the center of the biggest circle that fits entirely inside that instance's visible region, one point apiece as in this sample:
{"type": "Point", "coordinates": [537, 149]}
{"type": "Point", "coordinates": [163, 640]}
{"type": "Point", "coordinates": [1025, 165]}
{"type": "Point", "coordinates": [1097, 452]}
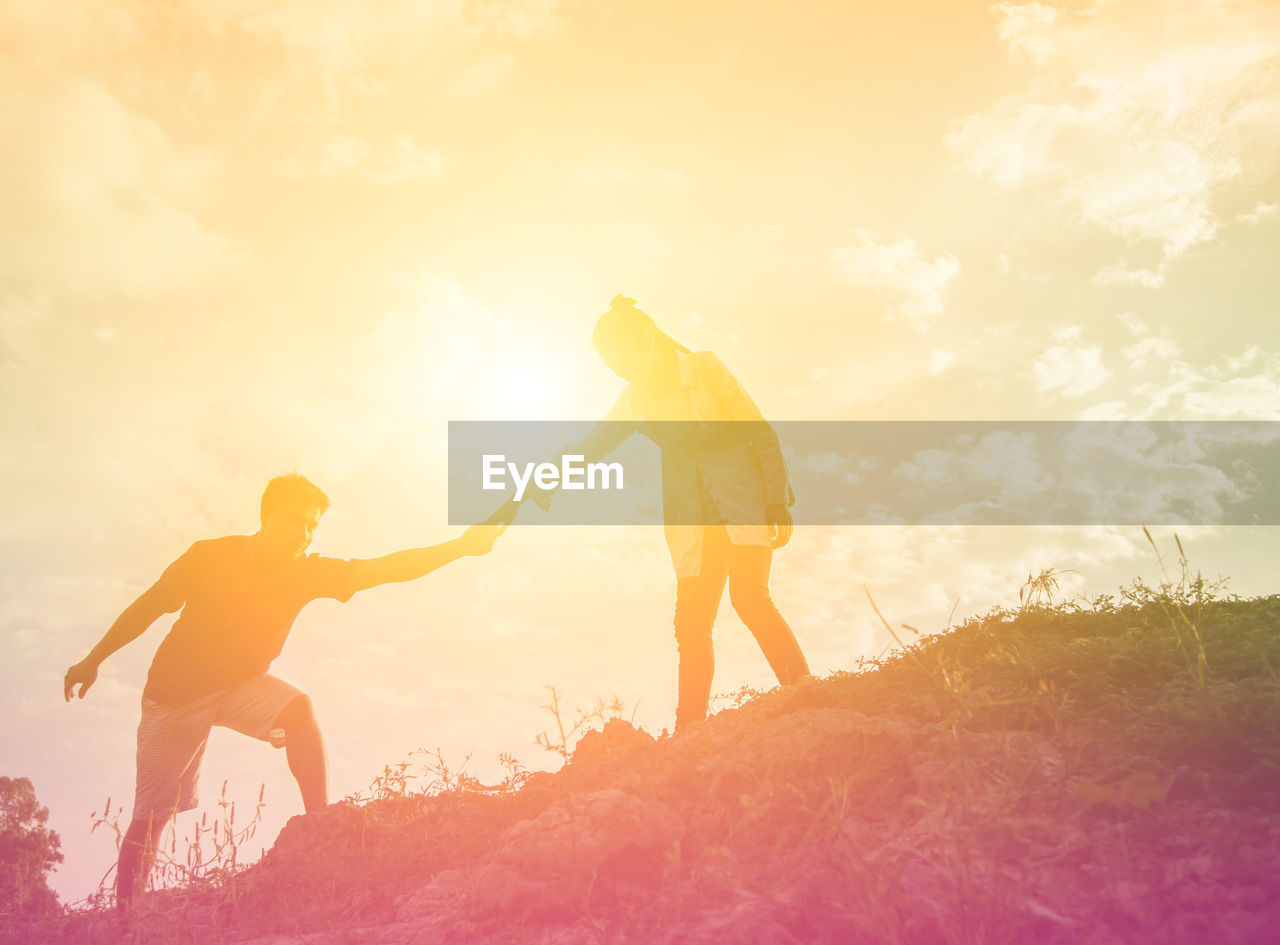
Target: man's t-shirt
{"type": "Point", "coordinates": [238, 612]}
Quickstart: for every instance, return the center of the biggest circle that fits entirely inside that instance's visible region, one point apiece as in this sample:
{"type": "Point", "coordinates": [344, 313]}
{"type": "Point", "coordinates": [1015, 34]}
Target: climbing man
{"type": "Point", "coordinates": [239, 596]}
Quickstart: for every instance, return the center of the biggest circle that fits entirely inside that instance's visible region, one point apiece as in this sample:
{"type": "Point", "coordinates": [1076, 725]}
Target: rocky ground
{"type": "Point", "coordinates": [1107, 773]}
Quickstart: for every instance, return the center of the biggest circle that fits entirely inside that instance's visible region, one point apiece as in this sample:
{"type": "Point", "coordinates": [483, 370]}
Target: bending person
{"type": "Point", "coordinates": [239, 597]}
{"type": "Point", "coordinates": [725, 491]}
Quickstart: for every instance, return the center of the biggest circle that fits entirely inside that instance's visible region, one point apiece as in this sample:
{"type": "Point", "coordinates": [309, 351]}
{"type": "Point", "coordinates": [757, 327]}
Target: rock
{"type": "Point", "coordinates": [549, 866]}
{"type": "Point", "coordinates": [399, 933]}
{"type": "Point", "coordinates": [1188, 785]}
{"type": "Point", "coordinates": [617, 738]}
{"type": "Point", "coordinates": [1260, 785]}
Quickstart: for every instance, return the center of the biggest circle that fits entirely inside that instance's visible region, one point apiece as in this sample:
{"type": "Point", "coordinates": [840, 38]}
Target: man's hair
{"type": "Point", "coordinates": [288, 490]}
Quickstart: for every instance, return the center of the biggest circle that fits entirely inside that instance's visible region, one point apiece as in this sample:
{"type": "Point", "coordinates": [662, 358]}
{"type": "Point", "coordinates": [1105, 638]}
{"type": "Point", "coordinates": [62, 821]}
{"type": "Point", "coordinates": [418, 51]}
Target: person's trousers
{"type": "Point", "coordinates": [746, 569]}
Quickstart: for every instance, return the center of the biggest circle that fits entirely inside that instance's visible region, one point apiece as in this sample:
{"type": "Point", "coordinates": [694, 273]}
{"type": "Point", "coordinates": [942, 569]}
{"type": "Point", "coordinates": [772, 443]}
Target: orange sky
{"type": "Point", "coordinates": [244, 238]}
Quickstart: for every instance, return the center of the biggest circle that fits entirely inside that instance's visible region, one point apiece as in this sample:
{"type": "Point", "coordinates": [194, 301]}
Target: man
{"type": "Point", "coordinates": [239, 596]}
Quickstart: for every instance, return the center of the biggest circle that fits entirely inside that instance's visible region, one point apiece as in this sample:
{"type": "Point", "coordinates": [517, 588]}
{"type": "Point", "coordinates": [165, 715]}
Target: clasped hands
{"type": "Point", "coordinates": [479, 539]}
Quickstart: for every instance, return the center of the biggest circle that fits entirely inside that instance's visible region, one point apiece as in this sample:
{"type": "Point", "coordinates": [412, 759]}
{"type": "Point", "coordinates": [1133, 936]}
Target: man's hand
{"type": "Point", "coordinates": [479, 539]}
{"type": "Point", "coordinates": [84, 674]}
{"type": "Point", "coordinates": [780, 525]}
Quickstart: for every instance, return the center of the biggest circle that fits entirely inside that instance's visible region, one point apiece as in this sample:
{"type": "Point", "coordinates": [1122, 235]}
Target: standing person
{"type": "Point", "coordinates": [725, 491]}
{"type": "Point", "coordinates": [239, 596]}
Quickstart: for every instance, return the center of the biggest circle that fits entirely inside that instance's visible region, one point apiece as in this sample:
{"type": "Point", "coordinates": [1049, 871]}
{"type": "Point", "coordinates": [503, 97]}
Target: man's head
{"type": "Point", "coordinates": [290, 511]}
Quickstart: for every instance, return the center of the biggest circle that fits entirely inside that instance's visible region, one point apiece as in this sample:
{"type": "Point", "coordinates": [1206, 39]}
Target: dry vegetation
{"type": "Point", "coordinates": [1090, 772]}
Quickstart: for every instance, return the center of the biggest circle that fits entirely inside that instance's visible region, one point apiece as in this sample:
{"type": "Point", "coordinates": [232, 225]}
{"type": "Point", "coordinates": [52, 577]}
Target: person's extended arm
{"type": "Point", "coordinates": [413, 563]}
{"type": "Point", "coordinates": [603, 438]}
{"type": "Point", "coordinates": [131, 624]}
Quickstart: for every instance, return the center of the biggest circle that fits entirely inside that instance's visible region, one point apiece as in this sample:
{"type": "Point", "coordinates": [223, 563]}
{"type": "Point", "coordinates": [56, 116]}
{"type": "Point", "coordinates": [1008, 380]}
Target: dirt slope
{"type": "Point", "coordinates": [1101, 774]}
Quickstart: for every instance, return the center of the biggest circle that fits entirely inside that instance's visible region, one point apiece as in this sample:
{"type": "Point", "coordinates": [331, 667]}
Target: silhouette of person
{"type": "Point", "coordinates": [725, 492]}
{"type": "Point", "coordinates": [239, 596]}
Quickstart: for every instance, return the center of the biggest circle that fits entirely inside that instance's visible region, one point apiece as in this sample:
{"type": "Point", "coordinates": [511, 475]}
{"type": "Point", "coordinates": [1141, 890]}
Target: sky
{"type": "Point", "coordinates": [246, 238]}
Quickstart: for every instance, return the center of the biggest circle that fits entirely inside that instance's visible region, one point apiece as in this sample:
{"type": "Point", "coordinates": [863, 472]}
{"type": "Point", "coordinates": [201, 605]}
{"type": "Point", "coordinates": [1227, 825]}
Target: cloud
{"type": "Point", "coordinates": [480, 77]}
{"type": "Point", "coordinates": [127, 220]}
{"type": "Point", "coordinates": [974, 479]}
{"type": "Point", "coordinates": [1027, 28]}
{"type": "Point", "coordinates": [1122, 275]}
{"type": "Point", "coordinates": [1015, 145]}
{"type": "Point", "coordinates": [429, 347]}
{"type": "Point", "coordinates": [1244, 386]}
{"type": "Point", "coordinates": [345, 156]}
{"type": "Point", "coordinates": [321, 49]}
{"type": "Point", "coordinates": [1069, 368]}
{"type": "Point", "coordinates": [1246, 358]}
{"type": "Point", "coordinates": [939, 361]}
{"type": "Point", "coordinates": [916, 575]}
{"type": "Point", "coordinates": [901, 269]}
{"type": "Point", "coordinates": [47, 34]}
{"type": "Point", "coordinates": [24, 322]}
{"type": "Point", "coordinates": [1256, 395]}
{"type": "Point", "coordinates": [525, 19]}
{"type": "Point", "coordinates": [1081, 473]}
{"type": "Point", "coordinates": [1156, 190]}
{"type": "Point", "coordinates": [1133, 323]}
{"type": "Point", "coordinates": [341, 36]}
{"type": "Point", "coordinates": [1263, 211]}
{"type": "Point", "coordinates": [636, 240]}
{"type": "Point", "coordinates": [1132, 472]}
{"type": "Point", "coordinates": [1132, 128]}
{"type": "Point", "coordinates": [1151, 350]}
{"type": "Point", "coordinates": [847, 469]}
{"type": "Point", "coordinates": [346, 34]}
{"type": "Point", "coordinates": [605, 176]}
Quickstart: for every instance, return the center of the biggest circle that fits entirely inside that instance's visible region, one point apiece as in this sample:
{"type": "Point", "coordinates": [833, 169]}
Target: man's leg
{"type": "Point", "coordinates": [262, 705]}
{"type": "Point", "coordinates": [137, 854]}
{"type": "Point", "coordinates": [304, 748]}
{"type": "Point", "coordinates": [171, 743]}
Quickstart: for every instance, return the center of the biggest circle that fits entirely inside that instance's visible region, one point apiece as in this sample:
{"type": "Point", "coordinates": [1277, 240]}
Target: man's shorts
{"type": "Point", "coordinates": [172, 738]}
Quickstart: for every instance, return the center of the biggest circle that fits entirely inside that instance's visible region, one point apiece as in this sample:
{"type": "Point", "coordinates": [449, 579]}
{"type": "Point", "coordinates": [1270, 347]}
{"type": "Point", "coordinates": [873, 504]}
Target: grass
{"type": "Point", "coordinates": [1099, 770]}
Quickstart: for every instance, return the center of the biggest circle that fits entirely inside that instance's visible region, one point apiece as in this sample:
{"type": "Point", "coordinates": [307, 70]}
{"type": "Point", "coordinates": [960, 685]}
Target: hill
{"type": "Point", "coordinates": [1101, 772]}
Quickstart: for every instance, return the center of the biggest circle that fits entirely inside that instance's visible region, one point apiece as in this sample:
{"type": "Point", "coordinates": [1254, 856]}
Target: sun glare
{"type": "Point", "coordinates": [527, 382]}
{"type": "Point", "coordinates": [525, 392]}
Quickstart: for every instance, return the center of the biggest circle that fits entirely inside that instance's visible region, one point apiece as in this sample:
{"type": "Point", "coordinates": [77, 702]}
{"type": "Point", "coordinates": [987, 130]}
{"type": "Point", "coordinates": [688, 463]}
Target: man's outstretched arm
{"type": "Point", "coordinates": [413, 563]}
{"type": "Point", "coordinates": [130, 625]}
